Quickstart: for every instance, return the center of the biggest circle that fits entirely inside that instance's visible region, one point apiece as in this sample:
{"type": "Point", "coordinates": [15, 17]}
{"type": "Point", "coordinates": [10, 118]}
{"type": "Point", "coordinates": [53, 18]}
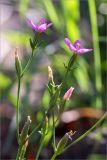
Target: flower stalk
{"type": "Point", "coordinates": [43, 132]}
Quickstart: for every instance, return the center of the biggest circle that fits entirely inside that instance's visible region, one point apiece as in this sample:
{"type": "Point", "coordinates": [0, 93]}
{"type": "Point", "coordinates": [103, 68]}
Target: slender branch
{"type": "Point", "coordinates": [64, 80]}
{"type": "Point", "coordinates": [53, 118]}
{"type": "Point", "coordinates": [62, 108]}
{"type": "Point", "coordinates": [27, 65]}
{"type": "Point", "coordinates": [32, 133]}
{"type": "Point", "coordinates": [17, 109]}
{"type": "Point", "coordinates": [54, 156]}
{"type": "Point", "coordinates": [18, 153]}
{"type": "Point", "coordinates": [40, 148]}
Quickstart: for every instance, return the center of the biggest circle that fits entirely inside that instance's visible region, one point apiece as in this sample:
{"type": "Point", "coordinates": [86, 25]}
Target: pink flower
{"type": "Point", "coordinates": [77, 47]}
{"type": "Point", "coordinates": [42, 26]}
{"type": "Point", "coordinates": [68, 94]}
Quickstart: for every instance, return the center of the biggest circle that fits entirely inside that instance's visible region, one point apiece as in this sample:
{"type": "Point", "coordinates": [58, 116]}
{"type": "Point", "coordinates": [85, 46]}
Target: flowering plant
{"type": "Point", "coordinates": [57, 102]}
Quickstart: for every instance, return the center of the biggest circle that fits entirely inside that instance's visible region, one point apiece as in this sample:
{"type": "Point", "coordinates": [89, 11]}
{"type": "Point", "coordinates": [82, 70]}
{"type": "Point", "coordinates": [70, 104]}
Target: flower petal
{"type": "Point", "coordinates": [42, 28]}
{"type": "Point", "coordinates": [83, 50]}
{"type": "Point", "coordinates": [71, 47]}
{"type": "Point", "coordinates": [48, 25]}
{"type": "Point", "coordinates": [68, 94]}
{"type": "Point", "coordinates": [32, 25]}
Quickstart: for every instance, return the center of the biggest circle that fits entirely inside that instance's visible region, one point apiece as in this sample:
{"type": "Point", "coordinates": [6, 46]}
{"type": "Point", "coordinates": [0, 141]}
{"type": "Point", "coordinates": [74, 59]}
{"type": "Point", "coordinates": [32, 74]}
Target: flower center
{"type": "Point", "coordinates": [78, 46]}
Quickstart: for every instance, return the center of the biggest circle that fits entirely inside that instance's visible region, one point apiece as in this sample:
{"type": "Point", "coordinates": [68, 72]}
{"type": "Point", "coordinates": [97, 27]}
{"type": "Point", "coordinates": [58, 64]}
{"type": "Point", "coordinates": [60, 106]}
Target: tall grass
{"type": "Point", "coordinates": [97, 58]}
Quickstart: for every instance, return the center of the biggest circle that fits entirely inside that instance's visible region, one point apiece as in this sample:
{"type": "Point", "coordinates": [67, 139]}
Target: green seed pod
{"type": "Point", "coordinates": [18, 64]}
{"type": "Point", "coordinates": [25, 130]}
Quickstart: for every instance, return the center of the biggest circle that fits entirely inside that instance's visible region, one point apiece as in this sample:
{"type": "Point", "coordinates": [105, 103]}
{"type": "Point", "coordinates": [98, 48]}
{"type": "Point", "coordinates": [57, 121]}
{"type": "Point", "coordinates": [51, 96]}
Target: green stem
{"type": "Point", "coordinates": [27, 65]}
{"type": "Point", "coordinates": [54, 156]}
{"type": "Point", "coordinates": [64, 80]}
{"type": "Point", "coordinates": [62, 109]}
{"type": "Point", "coordinates": [69, 67]}
{"type": "Point", "coordinates": [32, 133]}
{"type": "Point", "coordinates": [53, 118]}
{"type": "Point", "coordinates": [18, 153]}
{"type": "Point", "coordinates": [17, 109]}
{"type": "Point", "coordinates": [87, 132]}
{"type": "Point", "coordinates": [40, 148]}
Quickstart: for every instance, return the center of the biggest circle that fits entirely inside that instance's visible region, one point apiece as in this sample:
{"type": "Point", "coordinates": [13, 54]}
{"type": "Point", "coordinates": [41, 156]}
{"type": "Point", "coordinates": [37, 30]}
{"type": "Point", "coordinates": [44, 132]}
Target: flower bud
{"type": "Point", "coordinates": [51, 84]}
{"type": "Point", "coordinates": [25, 130]}
{"type": "Point", "coordinates": [68, 94]}
{"type": "Point", "coordinates": [18, 64]}
{"type": "Point", "coordinates": [50, 73]}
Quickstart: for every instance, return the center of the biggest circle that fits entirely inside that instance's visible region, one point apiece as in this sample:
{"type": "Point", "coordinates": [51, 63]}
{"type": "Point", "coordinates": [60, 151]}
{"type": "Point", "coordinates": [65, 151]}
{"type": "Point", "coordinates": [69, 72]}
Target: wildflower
{"type": "Point", "coordinates": [76, 47]}
{"type": "Point", "coordinates": [68, 94]}
{"type": "Point", "coordinates": [42, 26]}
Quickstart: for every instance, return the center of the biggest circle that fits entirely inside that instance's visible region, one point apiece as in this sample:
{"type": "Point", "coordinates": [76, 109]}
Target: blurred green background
{"type": "Point", "coordinates": [76, 19]}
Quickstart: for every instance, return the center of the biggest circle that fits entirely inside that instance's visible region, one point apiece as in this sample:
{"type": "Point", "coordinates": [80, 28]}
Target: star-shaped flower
{"type": "Point", "coordinates": [42, 26]}
{"type": "Point", "coordinates": [77, 47]}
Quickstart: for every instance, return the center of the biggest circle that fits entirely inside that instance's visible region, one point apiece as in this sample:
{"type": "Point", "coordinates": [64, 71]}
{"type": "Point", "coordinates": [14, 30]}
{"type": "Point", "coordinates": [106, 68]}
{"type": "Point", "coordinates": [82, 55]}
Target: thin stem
{"type": "Point", "coordinates": [54, 156]}
{"type": "Point", "coordinates": [17, 109]}
{"type": "Point", "coordinates": [40, 148]}
{"type": "Point", "coordinates": [18, 153]}
{"type": "Point", "coordinates": [31, 57]}
{"type": "Point", "coordinates": [27, 65]}
{"type": "Point", "coordinates": [69, 67]}
{"type": "Point", "coordinates": [87, 132]}
{"type": "Point", "coordinates": [62, 108]}
{"type": "Point", "coordinates": [31, 134]}
{"type": "Point", "coordinates": [53, 118]}
{"type": "Point", "coordinates": [64, 80]}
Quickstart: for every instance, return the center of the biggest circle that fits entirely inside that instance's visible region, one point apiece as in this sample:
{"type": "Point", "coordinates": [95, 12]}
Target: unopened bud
{"type": "Point", "coordinates": [18, 64]}
{"type": "Point", "coordinates": [50, 73]}
{"type": "Point", "coordinates": [51, 84]}
{"type": "Point", "coordinates": [68, 93]}
{"type": "Point", "coordinates": [46, 119]}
